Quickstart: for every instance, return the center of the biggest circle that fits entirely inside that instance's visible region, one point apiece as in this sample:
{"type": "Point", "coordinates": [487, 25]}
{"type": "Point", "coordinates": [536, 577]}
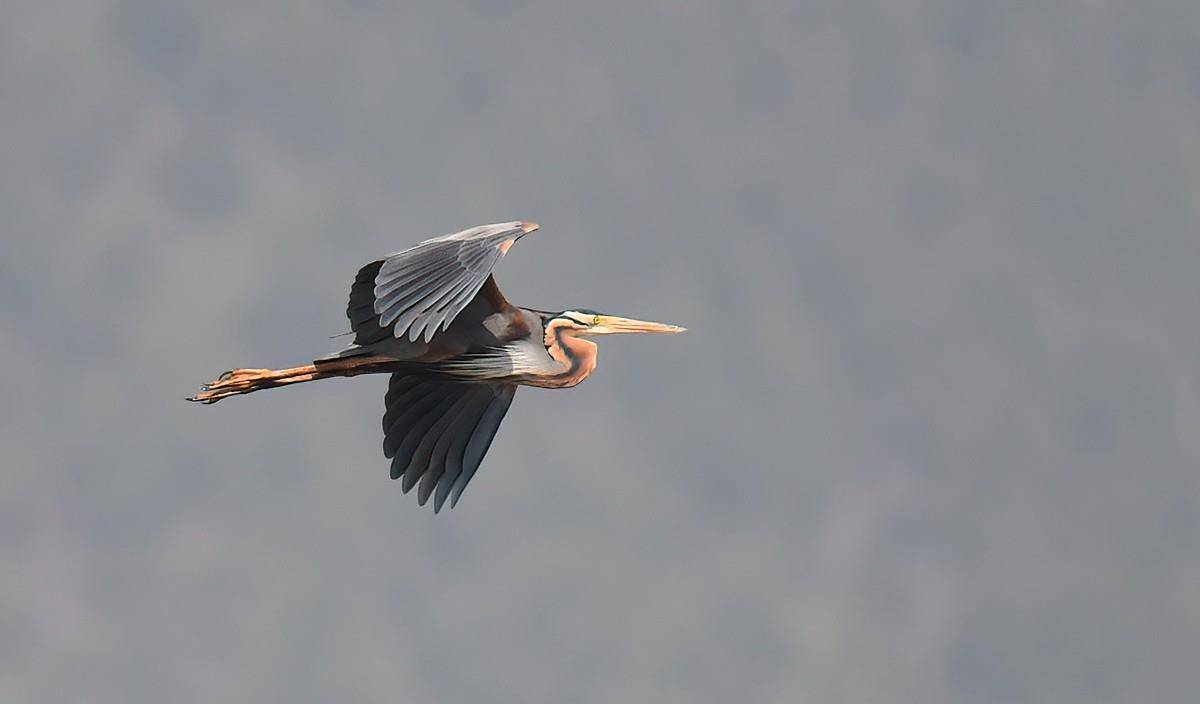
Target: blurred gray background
{"type": "Point", "coordinates": [931, 437]}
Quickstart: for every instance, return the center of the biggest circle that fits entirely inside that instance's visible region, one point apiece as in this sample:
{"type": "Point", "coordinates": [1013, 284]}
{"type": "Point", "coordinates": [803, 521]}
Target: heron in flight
{"type": "Point", "coordinates": [433, 318]}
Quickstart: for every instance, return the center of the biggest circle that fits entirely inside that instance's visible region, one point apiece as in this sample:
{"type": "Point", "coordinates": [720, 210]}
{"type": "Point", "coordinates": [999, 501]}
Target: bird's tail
{"type": "Point", "coordinates": [244, 381]}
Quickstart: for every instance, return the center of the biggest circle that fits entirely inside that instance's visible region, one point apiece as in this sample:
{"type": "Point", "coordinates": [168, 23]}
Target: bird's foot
{"type": "Point", "coordinates": [230, 383]}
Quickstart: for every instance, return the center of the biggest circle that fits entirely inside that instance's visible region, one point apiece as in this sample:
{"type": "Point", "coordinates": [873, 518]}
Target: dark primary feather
{"type": "Point", "coordinates": [436, 432]}
{"type": "Point", "coordinates": [364, 321]}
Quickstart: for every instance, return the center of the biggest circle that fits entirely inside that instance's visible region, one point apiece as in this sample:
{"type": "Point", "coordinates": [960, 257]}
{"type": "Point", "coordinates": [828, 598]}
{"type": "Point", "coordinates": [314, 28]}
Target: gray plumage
{"type": "Point", "coordinates": [426, 286]}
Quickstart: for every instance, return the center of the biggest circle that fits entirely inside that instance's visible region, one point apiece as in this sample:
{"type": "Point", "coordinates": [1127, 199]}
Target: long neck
{"type": "Point", "coordinates": [575, 355]}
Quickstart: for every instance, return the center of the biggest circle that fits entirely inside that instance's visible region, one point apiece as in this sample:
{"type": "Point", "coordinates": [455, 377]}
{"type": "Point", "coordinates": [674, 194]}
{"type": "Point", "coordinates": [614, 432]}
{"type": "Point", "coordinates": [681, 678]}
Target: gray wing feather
{"type": "Point", "coordinates": [421, 464]}
{"type": "Point", "coordinates": [436, 304]}
{"type": "Point", "coordinates": [460, 435]}
{"type": "Point", "coordinates": [481, 440]}
{"type": "Point", "coordinates": [436, 432]}
{"type": "Point", "coordinates": [422, 289]}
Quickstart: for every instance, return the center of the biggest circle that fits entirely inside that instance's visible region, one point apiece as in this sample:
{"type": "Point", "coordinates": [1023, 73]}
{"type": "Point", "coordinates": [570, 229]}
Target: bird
{"type": "Point", "coordinates": [433, 318]}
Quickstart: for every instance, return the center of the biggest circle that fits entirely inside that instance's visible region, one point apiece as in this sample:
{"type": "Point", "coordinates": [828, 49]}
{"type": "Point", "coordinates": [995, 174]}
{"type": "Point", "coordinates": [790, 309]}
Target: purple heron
{"type": "Point", "coordinates": [433, 318]}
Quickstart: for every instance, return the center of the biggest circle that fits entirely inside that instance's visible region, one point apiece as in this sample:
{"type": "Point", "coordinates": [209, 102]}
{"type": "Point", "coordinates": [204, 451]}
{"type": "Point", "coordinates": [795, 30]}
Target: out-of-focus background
{"type": "Point", "coordinates": [932, 436]}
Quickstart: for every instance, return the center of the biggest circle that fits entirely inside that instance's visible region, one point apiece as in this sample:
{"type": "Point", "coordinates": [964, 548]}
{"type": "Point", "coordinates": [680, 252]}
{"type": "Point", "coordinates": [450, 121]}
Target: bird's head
{"type": "Point", "coordinates": [584, 322]}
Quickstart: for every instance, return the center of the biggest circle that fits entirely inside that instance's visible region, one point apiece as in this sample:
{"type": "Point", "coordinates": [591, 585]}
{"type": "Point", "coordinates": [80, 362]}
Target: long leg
{"type": "Point", "coordinates": [244, 381]}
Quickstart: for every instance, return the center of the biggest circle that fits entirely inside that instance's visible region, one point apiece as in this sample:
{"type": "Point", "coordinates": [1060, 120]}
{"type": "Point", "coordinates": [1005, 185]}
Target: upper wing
{"type": "Point", "coordinates": [437, 431]}
{"type": "Point", "coordinates": [422, 289]}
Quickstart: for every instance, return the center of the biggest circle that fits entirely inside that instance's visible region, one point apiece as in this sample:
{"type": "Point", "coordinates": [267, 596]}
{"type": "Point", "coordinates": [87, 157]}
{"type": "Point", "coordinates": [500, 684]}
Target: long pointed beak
{"type": "Point", "coordinates": [611, 324]}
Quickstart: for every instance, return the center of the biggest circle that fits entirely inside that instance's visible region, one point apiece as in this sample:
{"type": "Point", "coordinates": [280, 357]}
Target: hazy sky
{"type": "Point", "coordinates": [931, 437]}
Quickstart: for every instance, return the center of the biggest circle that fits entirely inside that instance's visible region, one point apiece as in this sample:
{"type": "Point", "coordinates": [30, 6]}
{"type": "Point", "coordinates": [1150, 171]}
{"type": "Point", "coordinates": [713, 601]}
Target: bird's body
{"type": "Point", "coordinates": [433, 317]}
